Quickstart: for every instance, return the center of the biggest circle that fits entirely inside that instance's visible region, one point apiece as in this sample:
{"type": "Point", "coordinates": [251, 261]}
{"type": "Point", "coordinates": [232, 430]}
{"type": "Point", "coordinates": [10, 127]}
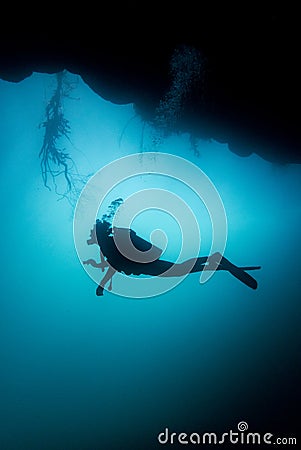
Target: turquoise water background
{"type": "Point", "coordinates": [82, 372]}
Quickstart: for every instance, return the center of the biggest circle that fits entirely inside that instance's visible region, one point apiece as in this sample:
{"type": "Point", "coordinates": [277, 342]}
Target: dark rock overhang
{"type": "Point", "coordinates": [246, 95]}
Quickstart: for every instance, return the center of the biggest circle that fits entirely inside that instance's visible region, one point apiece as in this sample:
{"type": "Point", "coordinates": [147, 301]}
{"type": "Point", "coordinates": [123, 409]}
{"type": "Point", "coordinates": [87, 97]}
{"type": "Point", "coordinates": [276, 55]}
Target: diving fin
{"type": "Point", "coordinates": [239, 273]}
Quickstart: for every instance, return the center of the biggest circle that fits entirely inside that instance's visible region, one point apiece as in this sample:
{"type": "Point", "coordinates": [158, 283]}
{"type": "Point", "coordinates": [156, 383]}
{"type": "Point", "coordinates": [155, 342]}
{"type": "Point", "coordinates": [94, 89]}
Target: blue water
{"type": "Point", "coordinates": [82, 372]}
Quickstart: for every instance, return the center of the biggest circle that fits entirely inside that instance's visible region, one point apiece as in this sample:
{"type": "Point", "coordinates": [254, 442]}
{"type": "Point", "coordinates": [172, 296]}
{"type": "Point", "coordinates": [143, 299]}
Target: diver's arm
{"type": "Point", "coordinates": [93, 263]}
{"type": "Point", "coordinates": [102, 265]}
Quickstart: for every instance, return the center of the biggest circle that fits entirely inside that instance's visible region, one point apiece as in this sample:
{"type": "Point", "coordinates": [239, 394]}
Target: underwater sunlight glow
{"type": "Point", "coordinates": [85, 372]}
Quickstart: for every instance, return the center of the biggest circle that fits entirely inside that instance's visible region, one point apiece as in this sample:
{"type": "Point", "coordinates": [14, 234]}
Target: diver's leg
{"type": "Point", "coordinates": [110, 272]}
{"type": "Point", "coordinates": [214, 262]}
{"type": "Point", "coordinates": [189, 266]}
{"type": "Point", "coordinates": [199, 264]}
{"type": "Point", "coordinates": [168, 269]}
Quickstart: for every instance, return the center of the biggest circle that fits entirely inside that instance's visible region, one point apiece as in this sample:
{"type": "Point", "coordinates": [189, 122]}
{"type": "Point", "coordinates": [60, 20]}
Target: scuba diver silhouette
{"type": "Point", "coordinates": [111, 257]}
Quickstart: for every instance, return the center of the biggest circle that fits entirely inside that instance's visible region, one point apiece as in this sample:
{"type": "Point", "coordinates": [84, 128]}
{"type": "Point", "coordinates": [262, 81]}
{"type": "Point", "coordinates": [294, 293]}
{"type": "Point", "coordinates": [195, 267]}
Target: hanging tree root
{"type": "Point", "coordinates": [55, 161]}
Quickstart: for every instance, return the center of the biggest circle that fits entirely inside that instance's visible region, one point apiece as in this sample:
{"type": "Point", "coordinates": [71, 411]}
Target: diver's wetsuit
{"type": "Point", "coordinates": [120, 263]}
{"type": "Point", "coordinates": [157, 267]}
